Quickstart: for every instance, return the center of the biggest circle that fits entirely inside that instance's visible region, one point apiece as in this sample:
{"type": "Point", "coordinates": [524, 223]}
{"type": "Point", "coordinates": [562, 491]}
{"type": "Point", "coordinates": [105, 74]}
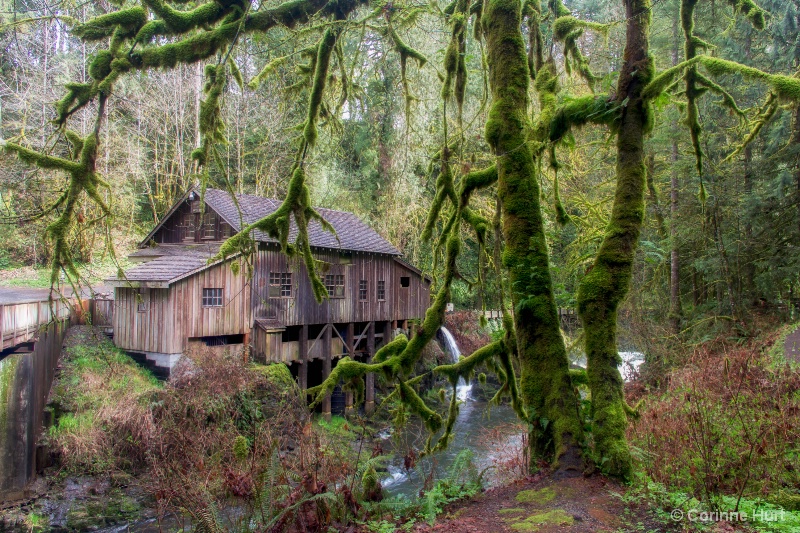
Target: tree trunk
{"type": "Point", "coordinates": [546, 387]}
{"type": "Point", "coordinates": [796, 141]}
{"type": "Point", "coordinates": [675, 310]}
{"type": "Point", "coordinates": [606, 284]}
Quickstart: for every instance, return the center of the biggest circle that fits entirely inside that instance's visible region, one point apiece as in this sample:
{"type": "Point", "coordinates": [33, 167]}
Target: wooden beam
{"type": "Point", "coordinates": [369, 393]}
{"type": "Point", "coordinates": [324, 329]}
{"type": "Point", "coordinates": [326, 369]}
{"type": "Point", "coordinates": [302, 372]}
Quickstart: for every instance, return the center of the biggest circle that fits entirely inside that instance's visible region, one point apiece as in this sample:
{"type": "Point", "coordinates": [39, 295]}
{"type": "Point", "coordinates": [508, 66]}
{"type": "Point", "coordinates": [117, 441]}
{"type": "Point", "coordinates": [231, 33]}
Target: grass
{"type": "Point", "coordinates": [98, 383]}
{"type": "Point", "coordinates": [28, 277]}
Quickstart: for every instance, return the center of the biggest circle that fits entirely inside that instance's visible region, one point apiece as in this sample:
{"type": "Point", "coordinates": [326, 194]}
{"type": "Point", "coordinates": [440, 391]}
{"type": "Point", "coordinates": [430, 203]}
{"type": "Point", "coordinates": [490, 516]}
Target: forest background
{"type": "Point", "coordinates": [729, 241]}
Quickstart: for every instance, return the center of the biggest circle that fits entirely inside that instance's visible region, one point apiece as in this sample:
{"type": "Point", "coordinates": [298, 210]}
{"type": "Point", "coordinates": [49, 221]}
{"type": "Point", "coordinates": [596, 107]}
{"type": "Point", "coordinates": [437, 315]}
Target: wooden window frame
{"type": "Point", "coordinates": [280, 285]}
{"type": "Point", "coordinates": [189, 227]}
{"type": "Point", "coordinates": [363, 286]}
{"type": "Point", "coordinates": [142, 300]}
{"type": "Point", "coordinates": [334, 283]}
{"type": "Point", "coordinates": [210, 219]}
{"type": "Point", "coordinates": [380, 292]}
{"type": "Point", "coordinates": [212, 297]}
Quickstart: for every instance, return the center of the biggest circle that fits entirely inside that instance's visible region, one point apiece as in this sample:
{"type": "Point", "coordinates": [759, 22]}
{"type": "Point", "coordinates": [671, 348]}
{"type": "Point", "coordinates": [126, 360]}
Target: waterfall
{"type": "Point", "coordinates": [451, 347]}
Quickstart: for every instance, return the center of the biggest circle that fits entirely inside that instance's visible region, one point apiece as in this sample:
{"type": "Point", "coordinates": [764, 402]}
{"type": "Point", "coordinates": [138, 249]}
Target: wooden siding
{"type": "Point", "coordinates": [147, 330]}
{"type": "Point", "coordinates": [191, 319]}
{"type": "Point", "coordinates": [302, 308]}
{"type": "Point", "coordinates": [174, 232]}
{"type": "Point", "coordinates": [412, 301]}
{"type": "Point", "coordinates": [102, 313]}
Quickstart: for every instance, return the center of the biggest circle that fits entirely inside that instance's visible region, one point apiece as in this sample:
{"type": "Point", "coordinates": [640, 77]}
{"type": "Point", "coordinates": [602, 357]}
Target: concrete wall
{"type": "Point", "coordinates": [25, 380]}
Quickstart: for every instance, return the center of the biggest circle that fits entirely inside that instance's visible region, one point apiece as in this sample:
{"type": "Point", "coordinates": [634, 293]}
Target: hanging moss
{"type": "Point", "coordinates": [324, 52]}
{"type": "Point", "coordinates": [130, 20]}
{"type": "Point", "coordinates": [595, 109]}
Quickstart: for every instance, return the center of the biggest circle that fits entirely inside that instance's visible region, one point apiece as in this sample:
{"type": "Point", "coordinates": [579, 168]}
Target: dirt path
{"type": "Point", "coordinates": [543, 505]}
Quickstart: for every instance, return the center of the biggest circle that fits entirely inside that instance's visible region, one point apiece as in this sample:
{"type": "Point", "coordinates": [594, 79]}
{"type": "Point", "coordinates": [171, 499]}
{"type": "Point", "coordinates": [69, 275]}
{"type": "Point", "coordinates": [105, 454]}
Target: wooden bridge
{"type": "Point", "coordinates": [21, 320]}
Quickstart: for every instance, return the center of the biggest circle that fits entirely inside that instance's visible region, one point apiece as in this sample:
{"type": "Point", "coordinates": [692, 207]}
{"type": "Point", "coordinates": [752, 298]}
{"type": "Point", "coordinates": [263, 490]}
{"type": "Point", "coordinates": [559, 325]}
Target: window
{"type": "Point", "coordinates": [405, 281]}
{"type": "Point", "coordinates": [335, 285]}
{"type": "Point", "coordinates": [210, 226]}
{"type": "Point", "coordinates": [188, 227]}
{"type": "Point", "coordinates": [212, 297]}
{"type": "Point", "coordinates": [381, 289]}
{"type": "Point", "coordinates": [227, 230]}
{"type": "Point", "coordinates": [142, 300]}
{"type": "Point", "coordinates": [280, 284]}
{"type": "Point", "coordinates": [362, 289]}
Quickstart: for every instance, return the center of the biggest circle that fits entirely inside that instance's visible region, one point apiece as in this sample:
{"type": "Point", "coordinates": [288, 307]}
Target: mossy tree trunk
{"type": "Point", "coordinates": [546, 388]}
{"type": "Point", "coordinates": [606, 284]}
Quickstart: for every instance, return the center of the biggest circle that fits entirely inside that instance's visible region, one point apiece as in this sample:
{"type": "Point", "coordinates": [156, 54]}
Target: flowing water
{"type": "Point", "coordinates": [475, 422]}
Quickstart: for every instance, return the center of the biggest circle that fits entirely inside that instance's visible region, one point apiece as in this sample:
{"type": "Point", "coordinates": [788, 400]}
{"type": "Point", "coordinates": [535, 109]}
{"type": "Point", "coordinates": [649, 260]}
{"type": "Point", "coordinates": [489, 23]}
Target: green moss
{"type": "Point", "coordinates": [540, 496]}
{"type": "Point", "coordinates": [555, 517]}
{"type": "Point", "coordinates": [604, 287]}
{"type": "Point", "coordinates": [511, 510]}
{"type": "Point", "coordinates": [324, 51]}
{"type": "Point", "coordinates": [548, 396]}
{"type": "Point", "coordinates": [100, 66]}
{"type": "Point", "coordinates": [130, 19]}
{"type": "Point", "coordinates": [594, 109]}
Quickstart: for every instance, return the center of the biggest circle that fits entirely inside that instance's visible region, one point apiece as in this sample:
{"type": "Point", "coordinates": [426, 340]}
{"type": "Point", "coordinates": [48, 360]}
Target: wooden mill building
{"type": "Point", "coordinates": [175, 298]}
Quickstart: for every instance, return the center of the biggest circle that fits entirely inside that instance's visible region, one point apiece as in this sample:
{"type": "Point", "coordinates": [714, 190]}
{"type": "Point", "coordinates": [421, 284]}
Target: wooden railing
{"type": "Point", "coordinates": [20, 322]}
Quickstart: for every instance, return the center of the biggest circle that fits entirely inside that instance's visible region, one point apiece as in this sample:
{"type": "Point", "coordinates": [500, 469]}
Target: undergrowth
{"type": "Point", "coordinates": [721, 433]}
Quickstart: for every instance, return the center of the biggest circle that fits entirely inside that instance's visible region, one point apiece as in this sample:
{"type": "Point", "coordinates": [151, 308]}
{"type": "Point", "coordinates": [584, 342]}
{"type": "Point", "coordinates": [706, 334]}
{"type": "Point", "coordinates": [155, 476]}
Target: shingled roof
{"type": "Point", "coordinates": [169, 263]}
{"type": "Point", "coordinates": [354, 235]}
{"type": "Point", "coordinates": [175, 263]}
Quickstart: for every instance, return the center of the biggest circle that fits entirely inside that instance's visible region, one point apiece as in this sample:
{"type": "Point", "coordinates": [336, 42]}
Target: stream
{"type": "Point", "coordinates": [492, 433]}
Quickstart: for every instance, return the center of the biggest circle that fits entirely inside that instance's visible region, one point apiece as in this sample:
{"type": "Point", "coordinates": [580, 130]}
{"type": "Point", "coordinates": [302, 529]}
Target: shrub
{"type": "Point", "coordinates": [725, 424]}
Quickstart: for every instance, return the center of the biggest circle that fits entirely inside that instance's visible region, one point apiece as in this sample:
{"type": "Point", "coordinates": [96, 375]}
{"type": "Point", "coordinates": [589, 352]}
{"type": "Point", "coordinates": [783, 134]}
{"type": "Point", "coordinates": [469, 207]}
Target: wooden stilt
{"type": "Point", "coordinates": [369, 393]}
{"type": "Point", "coordinates": [326, 369]}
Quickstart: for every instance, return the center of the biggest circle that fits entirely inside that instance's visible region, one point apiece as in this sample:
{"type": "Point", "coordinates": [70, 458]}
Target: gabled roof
{"type": "Point", "coordinates": [168, 268]}
{"type": "Point", "coordinates": [353, 234]}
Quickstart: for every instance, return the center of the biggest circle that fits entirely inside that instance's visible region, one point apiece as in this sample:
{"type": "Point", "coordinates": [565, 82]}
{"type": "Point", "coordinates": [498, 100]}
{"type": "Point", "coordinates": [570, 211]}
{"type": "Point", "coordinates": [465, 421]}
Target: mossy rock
{"type": "Point", "coordinates": [554, 517]}
{"type": "Point", "coordinates": [279, 376]}
{"type": "Point", "coordinates": [511, 510]}
{"type": "Point", "coordinates": [540, 496]}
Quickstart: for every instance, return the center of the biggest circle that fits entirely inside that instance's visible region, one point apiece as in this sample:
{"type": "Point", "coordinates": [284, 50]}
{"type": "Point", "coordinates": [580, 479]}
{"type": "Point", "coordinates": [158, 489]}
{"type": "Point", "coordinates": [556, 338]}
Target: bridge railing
{"type": "Point", "coordinates": [20, 322]}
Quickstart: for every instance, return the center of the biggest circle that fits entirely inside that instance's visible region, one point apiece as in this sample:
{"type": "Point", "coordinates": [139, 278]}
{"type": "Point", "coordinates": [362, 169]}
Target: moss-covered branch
{"type": "Point", "coordinates": [594, 109]}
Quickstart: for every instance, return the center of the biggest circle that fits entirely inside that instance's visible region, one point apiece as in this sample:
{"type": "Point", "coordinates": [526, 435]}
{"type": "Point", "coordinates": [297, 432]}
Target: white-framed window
{"type": "Point", "coordinates": [335, 285]}
{"type": "Point", "coordinates": [212, 297]}
{"type": "Point", "coordinates": [362, 289]}
{"type": "Point", "coordinates": [280, 284]}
